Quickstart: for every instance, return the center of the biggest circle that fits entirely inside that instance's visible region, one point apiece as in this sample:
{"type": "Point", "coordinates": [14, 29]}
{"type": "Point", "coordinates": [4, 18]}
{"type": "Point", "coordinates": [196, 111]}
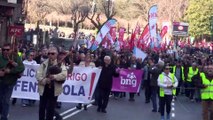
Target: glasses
{"type": "Point", "coordinates": [167, 68]}
{"type": "Point", "coordinates": [5, 49]}
{"type": "Point", "coordinates": [31, 55]}
{"type": "Point", "coordinates": [51, 53]}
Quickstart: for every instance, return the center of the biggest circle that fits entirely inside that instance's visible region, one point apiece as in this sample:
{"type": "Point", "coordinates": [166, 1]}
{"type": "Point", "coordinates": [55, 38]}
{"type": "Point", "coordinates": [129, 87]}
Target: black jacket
{"type": "Point", "coordinates": [106, 77]}
{"type": "Point", "coordinates": [154, 72]}
{"type": "Point", "coordinates": [38, 59]}
{"type": "Point", "coordinates": [197, 81]}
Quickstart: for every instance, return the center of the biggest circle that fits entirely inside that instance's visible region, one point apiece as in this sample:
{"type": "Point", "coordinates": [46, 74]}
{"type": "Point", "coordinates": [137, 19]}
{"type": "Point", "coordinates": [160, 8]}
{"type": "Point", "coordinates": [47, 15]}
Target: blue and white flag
{"type": "Point", "coordinates": [110, 38]}
{"type": "Point", "coordinates": [102, 33]}
{"type": "Point", "coordinates": [139, 53]}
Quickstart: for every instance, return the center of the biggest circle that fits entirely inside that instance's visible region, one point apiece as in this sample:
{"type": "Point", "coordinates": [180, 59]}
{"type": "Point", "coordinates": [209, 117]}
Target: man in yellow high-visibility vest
{"type": "Point", "coordinates": [192, 71]}
{"type": "Point", "coordinates": [178, 71]}
{"type": "Point", "coordinates": [207, 93]}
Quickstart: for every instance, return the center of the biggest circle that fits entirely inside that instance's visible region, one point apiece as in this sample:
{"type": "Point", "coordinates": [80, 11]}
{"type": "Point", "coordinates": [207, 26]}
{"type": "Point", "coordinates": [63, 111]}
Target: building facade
{"type": "Point", "coordinates": [10, 14]}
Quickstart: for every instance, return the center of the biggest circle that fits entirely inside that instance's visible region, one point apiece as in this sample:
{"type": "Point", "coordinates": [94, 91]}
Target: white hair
{"type": "Point", "coordinates": [107, 58]}
{"type": "Point", "coordinates": [161, 63]}
{"type": "Point", "coordinates": [52, 48]}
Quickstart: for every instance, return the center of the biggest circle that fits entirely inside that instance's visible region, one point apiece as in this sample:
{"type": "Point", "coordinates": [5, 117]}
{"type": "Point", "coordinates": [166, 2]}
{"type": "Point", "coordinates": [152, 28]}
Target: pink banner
{"type": "Point", "coordinates": [128, 81]}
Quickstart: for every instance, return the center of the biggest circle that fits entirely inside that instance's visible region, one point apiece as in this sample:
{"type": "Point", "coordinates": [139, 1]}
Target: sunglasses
{"type": "Point", "coordinates": [5, 49]}
{"type": "Point", "coordinates": [51, 53]}
{"type": "Point", "coordinates": [167, 68]}
{"type": "Point", "coordinates": [31, 55]}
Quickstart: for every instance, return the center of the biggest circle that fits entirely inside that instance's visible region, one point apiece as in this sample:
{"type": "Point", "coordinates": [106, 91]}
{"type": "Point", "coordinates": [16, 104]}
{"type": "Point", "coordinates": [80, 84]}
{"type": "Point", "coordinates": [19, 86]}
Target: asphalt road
{"type": "Point", "coordinates": [120, 109]}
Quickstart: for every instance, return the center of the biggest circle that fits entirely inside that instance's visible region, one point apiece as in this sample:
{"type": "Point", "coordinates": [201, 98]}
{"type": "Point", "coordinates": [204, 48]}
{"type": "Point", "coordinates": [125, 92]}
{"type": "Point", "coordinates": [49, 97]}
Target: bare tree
{"type": "Point", "coordinates": [78, 9]}
{"type": "Point", "coordinates": [170, 10]}
{"type": "Point", "coordinates": [36, 10]}
{"type": "Point", "coordinates": [79, 12]}
{"type": "Point", "coordinates": [173, 10]}
{"type": "Point", "coordinates": [106, 7]}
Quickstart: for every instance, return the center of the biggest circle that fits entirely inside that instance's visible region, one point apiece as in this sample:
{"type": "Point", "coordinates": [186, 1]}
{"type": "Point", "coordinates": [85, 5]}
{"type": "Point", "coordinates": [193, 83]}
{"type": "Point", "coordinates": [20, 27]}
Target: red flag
{"type": "Point", "coordinates": [145, 36]}
{"type": "Point", "coordinates": [137, 29]}
{"type": "Point", "coordinates": [163, 31]}
{"type": "Point", "coordinates": [121, 34]}
{"type": "Point", "coordinates": [113, 33]}
{"type": "Point", "coordinates": [126, 43]}
{"type": "Point", "coordinates": [131, 41]}
{"type": "Point", "coordinates": [104, 42]}
{"type": "Point", "coordinates": [133, 36]}
{"type": "Point", "coordinates": [197, 44]}
{"type": "Point", "coordinates": [188, 41]}
{"type": "Point", "coordinates": [203, 42]}
{"type": "Point", "coordinates": [171, 43]}
{"type": "Point", "coordinates": [182, 43]}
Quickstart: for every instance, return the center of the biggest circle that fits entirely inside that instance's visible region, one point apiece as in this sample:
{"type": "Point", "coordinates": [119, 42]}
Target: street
{"type": "Point", "coordinates": [120, 109]}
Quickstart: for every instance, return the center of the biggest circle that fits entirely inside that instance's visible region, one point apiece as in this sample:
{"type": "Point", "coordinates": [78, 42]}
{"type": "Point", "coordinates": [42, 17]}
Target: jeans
{"type": "Point", "coordinates": [103, 98]}
{"type": "Point", "coordinates": [197, 95]}
{"type": "Point", "coordinates": [207, 110]}
{"type": "Point", "coordinates": [131, 95]}
{"type": "Point", "coordinates": [147, 90]}
{"type": "Point", "coordinates": [116, 94]}
{"type": "Point", "coordinates": [178, 90]}
{"type": "Point", "coordinates": [96, 95]}
{"type": "Point", "coordinates": [47, 104]}
{"type": "Point", "coordinates": [165, 101]}
{"type": "Point", "coordinates": [154, 93]}
{"type": "Point", "coordinates": [5, 94]}
{"type": "Point", "coordinates": [189, 90]}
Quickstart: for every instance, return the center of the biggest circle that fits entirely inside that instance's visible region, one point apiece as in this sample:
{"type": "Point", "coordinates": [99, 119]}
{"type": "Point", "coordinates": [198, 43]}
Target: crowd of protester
{"type": "Point", "coordinates": [186, 69]}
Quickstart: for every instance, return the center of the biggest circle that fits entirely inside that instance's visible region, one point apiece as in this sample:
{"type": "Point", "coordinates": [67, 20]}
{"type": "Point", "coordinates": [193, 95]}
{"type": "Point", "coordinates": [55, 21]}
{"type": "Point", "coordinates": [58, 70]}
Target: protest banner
{"type": "Point", "coordinates": [27, 86]}
{"type": "Point", "coordinates": [128, 81]}
{"type": "Point", "coordinates": [78, 87]}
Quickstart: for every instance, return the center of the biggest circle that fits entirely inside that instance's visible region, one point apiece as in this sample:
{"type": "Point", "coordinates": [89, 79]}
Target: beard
{"type": "Point", "coordinates": [209, 75]}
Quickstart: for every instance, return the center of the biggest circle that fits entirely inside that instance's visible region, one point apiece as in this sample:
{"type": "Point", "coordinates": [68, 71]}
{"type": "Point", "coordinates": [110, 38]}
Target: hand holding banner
{"type": "Point", "coordinates": [78, 87]}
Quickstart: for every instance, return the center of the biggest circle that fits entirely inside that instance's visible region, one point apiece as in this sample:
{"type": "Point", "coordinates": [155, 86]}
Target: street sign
{"type": "Point", "coordinates": [16, 30]}
{"type": "Point", "coordinates": [180, 29]}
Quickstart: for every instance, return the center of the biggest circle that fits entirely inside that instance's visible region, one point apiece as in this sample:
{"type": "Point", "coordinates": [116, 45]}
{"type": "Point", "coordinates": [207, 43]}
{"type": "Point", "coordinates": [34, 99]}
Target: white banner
{"type": "Point", "coordinates": [78, 88]}
{"type": "Point", "coordinates": [27, 86]}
